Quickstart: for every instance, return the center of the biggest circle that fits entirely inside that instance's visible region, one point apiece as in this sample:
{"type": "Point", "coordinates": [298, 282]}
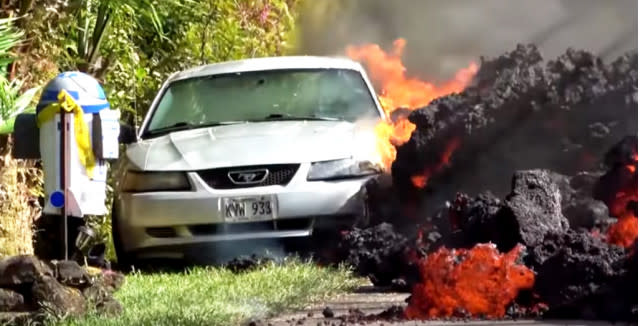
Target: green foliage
{"type": "Point", "coordinates": [13, 102]}
{"type": "Point", "coordinates": [132, 46]}
{"type": "Point", "coordinates": [9, 38]}
{"type": "Point", "coordinates": [192, 33]}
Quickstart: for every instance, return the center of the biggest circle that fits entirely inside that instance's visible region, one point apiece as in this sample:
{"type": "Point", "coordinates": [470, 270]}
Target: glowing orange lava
{"type": "Point", "coordinates": [399, 91]}
{"type": "Point", "coordinates": [480, 281]}
{"type": "Point", "coordinates": [420, 180]}
{"type": "Point", "coordinates": [624, 232]}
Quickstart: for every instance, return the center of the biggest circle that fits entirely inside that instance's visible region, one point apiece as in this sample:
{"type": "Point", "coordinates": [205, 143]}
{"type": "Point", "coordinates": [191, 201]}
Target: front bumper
{"type": "Point", "coordinates": [163, 223]}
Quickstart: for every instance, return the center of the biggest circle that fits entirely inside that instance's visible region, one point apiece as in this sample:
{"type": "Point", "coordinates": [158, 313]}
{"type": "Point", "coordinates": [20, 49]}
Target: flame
{"type": "Point", "coordinates": [624, 232]}
{"type": "Point", "coordinates": [480, 281]}
{"type": "Point", "coordinates": [400, 91]}
{"type": "Point", "coordinates": [420, 180]}
{"type": "Point", "coordinates": [390, 135]}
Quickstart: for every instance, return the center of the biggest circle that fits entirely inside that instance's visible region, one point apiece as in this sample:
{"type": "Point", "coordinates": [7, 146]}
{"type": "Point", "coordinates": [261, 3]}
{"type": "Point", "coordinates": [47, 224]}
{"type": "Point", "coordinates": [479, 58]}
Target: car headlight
{"type": "Point", "coordinates": [344, 168]}
{"type": "Point", "coordinates": [155, 181]}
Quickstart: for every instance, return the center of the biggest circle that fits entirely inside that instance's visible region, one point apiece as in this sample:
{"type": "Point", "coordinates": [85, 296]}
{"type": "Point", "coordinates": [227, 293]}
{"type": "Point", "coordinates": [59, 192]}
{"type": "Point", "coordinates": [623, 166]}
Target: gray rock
{"type": "Point", "coordinates": [11, 301]}
{"type": "Point", "coordinates": [100, 293]}
{"type": "Point", "coordinates": [109, 307]}
{"type": "Point", "coordinates": [57, 299]}
{"type": "Point", "coordinates": [114, 280]}
{"type": "Point", "coordinates": [69, 273]}
{"type": "Point", "coordinates": [535, 206]}
{"type": "Point", "coordinates": [18, 270]}
{"type": "Point", "coordinates": [586, 213]}
{"type": "Point", "coordinates": [21, 318]}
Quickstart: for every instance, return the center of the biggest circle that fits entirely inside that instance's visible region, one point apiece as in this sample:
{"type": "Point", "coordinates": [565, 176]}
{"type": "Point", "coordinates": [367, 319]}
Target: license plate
{"type": "Point", "coordinates": [248, 208]}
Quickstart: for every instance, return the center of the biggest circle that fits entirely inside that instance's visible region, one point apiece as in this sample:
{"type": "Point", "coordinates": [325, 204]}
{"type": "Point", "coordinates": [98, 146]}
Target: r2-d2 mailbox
{"type": "Point", "coordinates": [78, 133]}
{"type": "Point", "coordinates": [79, 158]}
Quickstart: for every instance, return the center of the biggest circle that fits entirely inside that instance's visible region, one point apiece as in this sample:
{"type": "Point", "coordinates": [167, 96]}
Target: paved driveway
{"type": "Point", "coordinates": [371, 300]}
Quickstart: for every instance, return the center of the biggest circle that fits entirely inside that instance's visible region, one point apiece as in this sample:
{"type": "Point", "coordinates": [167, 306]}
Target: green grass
{"type": "Point", "coordinates": [215, 296]}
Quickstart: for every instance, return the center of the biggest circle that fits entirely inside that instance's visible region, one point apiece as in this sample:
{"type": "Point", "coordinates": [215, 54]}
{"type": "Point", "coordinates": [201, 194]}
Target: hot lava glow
{"type": "Point", "coordinates": [420, 180]}
{"type": "Point", "coordinates": [480, 281]}
{"type": "Point", "coordinates": [625, 231]}
{"type": "Point", "coordinates": [399, 91]}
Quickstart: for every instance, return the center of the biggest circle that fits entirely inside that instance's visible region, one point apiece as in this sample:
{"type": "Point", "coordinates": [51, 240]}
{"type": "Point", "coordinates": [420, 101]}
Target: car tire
{"type": "Point", "coordinates": [364, 219]}
{"type": "Point", "coordinates": [124, 259]}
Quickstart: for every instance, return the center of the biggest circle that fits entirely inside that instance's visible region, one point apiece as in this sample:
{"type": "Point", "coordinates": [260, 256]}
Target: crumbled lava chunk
{"type": "Point", "coordinates": [475, 218]}
{"type": "Point", "coordinates": [532, 210]}
{"type": "Point", "coordinates": [57, 298]}
{"type": "Point", "coordinates": [328, 312]}
{"type": "Point", "coordinates": [581, 276]}
{"type": "Point", "coordinates": [393, 313]}
{"type": "Point", "coordinates": [379, 253]}
{"type": "Point", "coordinates": [32, 288]}
{"type": "Point", "coordinates": [546, 124]}
{"type": "Point", "coordinates": [18, 270]}
{"type": "Point", "coordinates": [522, 113]}
{"type": "Point", "coordinates": [247, 263]}
{"type": "Point", "coordinates": [69, 273]}
{"type": "Point", "coordinates": [11, 301]}
{"type": "Point", "coordinates": [618, 176]}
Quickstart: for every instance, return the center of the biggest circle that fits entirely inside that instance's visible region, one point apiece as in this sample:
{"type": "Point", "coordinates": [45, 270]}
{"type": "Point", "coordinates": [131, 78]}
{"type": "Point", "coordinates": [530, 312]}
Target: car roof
{"type": "Point", "coordinates": [268, 63]}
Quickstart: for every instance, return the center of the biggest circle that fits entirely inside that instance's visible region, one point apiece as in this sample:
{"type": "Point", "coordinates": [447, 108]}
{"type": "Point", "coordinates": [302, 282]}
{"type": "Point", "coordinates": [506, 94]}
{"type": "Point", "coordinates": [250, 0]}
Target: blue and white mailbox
{"type": "Point", "coordinates": [75, 133]}
{"type": "Point", "coordinates": [78, 133]}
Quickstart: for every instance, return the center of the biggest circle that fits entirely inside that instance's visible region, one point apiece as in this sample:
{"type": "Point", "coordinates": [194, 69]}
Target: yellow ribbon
{"type": "Point", "coordinates": [80, 127]}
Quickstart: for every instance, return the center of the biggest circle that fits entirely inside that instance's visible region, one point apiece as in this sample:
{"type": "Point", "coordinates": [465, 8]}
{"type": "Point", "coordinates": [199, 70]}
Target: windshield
{"type": "Point", "coordinates": [258, 96]}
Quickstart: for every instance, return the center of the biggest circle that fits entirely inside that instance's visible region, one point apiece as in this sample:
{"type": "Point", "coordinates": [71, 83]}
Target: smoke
{"type": "Point", "coordinates": [220, 253]}
{"type": "Point", "coordinates": [444, 36]}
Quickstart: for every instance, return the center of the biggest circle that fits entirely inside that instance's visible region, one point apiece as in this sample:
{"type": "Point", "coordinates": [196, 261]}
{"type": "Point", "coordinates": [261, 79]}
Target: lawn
{"type": "Point", "coordinates": [215, 296]}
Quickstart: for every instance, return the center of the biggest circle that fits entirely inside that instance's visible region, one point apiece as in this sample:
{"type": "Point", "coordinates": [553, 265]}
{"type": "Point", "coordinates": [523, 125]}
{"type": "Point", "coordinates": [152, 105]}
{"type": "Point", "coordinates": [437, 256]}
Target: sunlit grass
{"type": "Point", "coordinates": [215, 296]}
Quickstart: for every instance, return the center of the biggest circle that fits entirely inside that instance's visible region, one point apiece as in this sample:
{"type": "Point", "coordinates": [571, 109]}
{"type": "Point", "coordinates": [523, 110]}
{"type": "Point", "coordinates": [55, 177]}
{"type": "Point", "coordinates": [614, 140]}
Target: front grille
{"type": "Point", "coordinates": [278, 174]}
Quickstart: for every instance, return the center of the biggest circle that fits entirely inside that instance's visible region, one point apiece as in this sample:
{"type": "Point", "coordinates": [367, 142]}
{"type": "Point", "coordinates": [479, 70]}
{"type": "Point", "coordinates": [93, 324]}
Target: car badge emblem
{"type": "Point", "coordinates": [248, 177]}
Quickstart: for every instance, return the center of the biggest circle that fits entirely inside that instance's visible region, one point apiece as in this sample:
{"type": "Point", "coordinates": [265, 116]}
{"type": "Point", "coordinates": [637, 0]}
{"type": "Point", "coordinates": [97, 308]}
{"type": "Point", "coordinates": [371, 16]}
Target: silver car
{"type": "Point", "coordinates": [262, 148]}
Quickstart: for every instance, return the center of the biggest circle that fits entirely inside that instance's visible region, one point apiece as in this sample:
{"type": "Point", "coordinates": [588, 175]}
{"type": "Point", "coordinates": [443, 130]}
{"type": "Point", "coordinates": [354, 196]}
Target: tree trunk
{"type": "Point", "coordinates": [4, 144]}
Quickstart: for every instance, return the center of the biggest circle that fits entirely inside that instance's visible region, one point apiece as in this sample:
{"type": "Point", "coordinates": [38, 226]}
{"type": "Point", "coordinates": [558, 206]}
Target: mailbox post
{"type": "Point", "coordinates": [77, 134]}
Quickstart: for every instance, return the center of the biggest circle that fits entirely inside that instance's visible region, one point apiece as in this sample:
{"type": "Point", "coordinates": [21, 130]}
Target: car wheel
{"type": "Point", "coordinates": [124, 259]}
{"type": "Point", "coordinates": [298, 246]}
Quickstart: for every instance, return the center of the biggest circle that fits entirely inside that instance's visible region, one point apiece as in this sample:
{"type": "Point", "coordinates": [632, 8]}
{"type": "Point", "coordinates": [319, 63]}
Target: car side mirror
{"type": "Point", "coordinates": [127, 134]}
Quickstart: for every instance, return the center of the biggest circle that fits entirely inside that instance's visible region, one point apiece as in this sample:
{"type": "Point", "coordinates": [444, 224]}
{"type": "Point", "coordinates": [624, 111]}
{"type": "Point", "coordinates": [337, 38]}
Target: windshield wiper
{"type": "Point", "coordinates": [286, 116]}
{"type": "Point", "coordinates": [179, 126]}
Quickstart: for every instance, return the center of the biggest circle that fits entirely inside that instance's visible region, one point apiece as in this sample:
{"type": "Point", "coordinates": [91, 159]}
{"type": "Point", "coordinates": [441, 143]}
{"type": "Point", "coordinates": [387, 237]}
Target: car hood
{"type": "Point", "coordinates": [274, 142]}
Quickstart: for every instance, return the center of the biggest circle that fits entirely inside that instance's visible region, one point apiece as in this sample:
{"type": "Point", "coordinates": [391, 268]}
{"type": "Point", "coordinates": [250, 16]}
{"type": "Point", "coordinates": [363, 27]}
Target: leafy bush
{"type": "Point", "coordinates": [9, 37]}
{"type": "Point", "coordinates": [19, 180]}
{"type": "Point", "coordinates": [13, 102]}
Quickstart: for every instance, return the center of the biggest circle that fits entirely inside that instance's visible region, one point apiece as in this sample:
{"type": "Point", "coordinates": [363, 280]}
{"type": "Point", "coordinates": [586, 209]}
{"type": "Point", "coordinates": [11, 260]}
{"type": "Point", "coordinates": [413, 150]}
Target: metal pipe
{"type": "Point", "coordinates": [63, 182]}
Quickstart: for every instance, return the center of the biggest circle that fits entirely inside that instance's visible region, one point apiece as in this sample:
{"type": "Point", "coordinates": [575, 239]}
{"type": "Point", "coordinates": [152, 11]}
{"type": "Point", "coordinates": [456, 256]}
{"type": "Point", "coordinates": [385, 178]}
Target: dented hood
{"type": "Point", "coordinates": [274, 142]}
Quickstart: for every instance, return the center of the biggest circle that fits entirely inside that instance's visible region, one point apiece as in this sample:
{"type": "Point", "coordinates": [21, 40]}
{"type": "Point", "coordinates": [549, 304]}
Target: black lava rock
{"type": "Point", "coordinates": [328, 313]}
{"type": "Point", "coordinates": [379, 253]}
{"type": "Point", "coordinates": [522, 113]}
{"type": "Point", "coordinates": [243, 264]}
{"type": "Point", "coordinates": [581, 276]}
{"type": "Point", "coordinates": [532, 210]}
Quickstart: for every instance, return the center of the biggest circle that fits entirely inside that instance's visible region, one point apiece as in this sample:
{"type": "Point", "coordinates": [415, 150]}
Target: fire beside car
{"type": "Point", "coordinates": [255, 149]}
